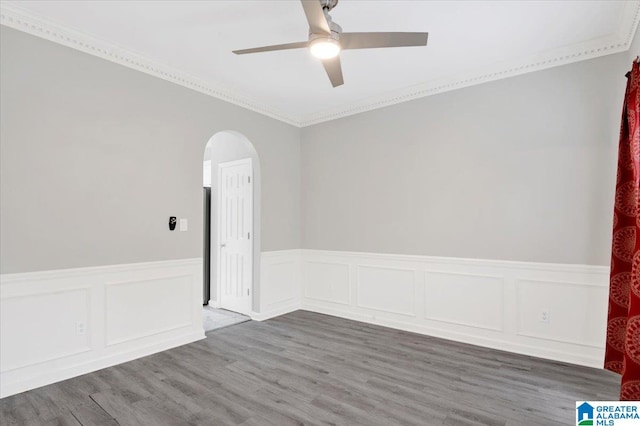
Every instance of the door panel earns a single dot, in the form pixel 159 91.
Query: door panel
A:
pixel 235 258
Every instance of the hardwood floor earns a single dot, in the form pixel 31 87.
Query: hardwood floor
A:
pixel 307 368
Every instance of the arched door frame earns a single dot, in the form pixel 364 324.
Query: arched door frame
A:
pixel 224 146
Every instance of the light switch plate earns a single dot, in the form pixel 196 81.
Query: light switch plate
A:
pixel 184 225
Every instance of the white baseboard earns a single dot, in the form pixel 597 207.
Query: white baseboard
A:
pixel 491 303
pixel 60 324
pixel 496 304
pixel 73 370
pixel 539 352
pixel 285 309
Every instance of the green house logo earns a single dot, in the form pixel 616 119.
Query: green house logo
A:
pixel 585 414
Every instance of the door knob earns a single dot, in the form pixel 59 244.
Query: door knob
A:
pixel 223 245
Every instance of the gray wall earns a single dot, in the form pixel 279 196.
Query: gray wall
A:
pixel 95 157
pixel 518 169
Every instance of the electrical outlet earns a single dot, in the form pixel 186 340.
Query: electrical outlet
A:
pixel 545 316
pixel 81 328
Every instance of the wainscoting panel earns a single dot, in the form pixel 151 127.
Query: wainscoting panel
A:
pixel 465 299
pixel 60 324
pixel 168 305
pixel 577 313
pixel 280 289
pixel 550 311
pixel 386 289
pixel 52 333
pixel 328 282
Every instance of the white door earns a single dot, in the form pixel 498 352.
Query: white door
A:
pixel 235 235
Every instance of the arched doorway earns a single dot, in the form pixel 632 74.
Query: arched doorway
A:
pixel 231 168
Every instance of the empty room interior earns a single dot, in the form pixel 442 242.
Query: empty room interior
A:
pixel 319 212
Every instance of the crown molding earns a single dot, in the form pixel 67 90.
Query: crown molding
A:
pixel 17 18
pixel 616 43
pixel 629 22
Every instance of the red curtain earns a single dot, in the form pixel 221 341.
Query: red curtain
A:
pixel 623 327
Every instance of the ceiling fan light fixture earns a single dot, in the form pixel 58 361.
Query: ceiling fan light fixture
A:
pixel 326 39
pixel 325 48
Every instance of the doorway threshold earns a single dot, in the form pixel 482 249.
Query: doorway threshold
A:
pixel 215 318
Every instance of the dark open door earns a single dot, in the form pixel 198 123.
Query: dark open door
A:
pixel 206 261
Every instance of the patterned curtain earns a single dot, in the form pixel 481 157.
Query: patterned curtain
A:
pixel 623 327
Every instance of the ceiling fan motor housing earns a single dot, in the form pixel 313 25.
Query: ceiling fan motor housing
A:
pixel 336 30
pixel 328 4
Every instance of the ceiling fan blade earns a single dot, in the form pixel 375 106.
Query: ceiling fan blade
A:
pixel 334 71
pixel 315 16
pixel 376 40
pixel 287 46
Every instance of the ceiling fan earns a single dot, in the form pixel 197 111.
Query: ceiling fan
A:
pixel 326 39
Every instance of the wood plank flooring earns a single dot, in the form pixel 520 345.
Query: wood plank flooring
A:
pixel 312 369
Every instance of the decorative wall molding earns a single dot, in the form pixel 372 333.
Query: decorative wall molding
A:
pixel 323 281
pixel 59 324
pixel 280 289
pixel 488 74
pixel 560 298
pixel 492 303
pixel 124 296
pixel 19 19
pixel 441 287
pixel 95 317
pixel 617 43
pixel 386 289
pixel 14 313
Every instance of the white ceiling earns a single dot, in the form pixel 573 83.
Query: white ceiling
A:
pixel 470 42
